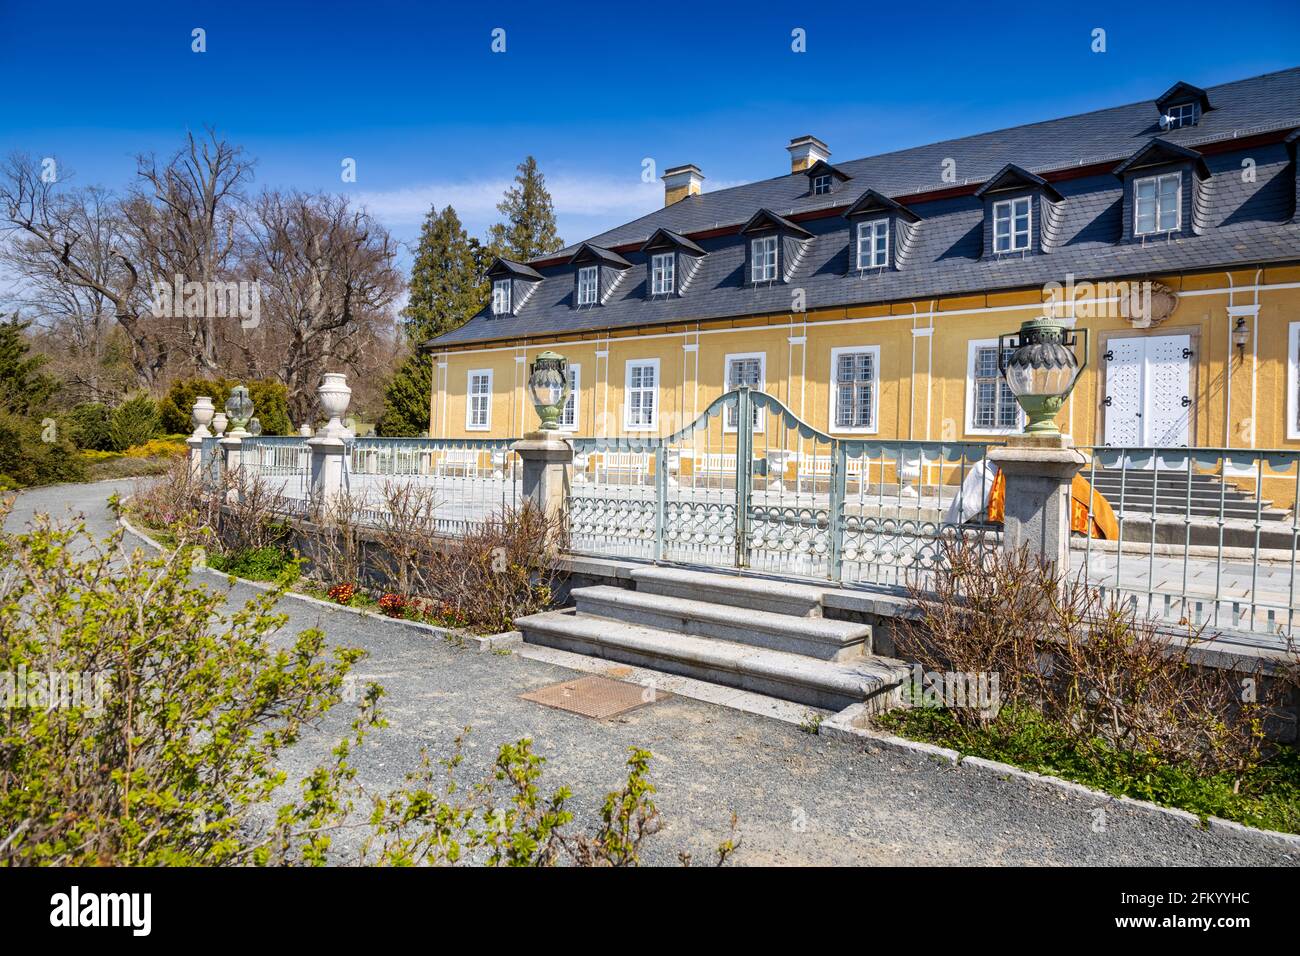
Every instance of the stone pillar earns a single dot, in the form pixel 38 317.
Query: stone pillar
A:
pixel 330 444
pixel 1038 470
pixel 547 462
pixel 326 472
pixel 230 450
pixel 201 414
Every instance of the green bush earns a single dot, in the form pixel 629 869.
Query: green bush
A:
pixel 134 422
pixel 27 458
pixel 89 426
pixel 268 563
pixel 270 403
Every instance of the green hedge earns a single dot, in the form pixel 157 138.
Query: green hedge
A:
pixel 270 403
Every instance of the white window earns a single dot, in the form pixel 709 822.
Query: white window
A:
pixel 662 273
pixel 587 285
pixel 1184 114
pixel 1293 382
pixel 478 400
pixel 501 297
pixel 991 407
pixel 1011 230
pixel 747 369
pixel 569 414
pixel 763 255
pixel 855 375
pixel 873 244
pixel 1157 204
pixel 821 184
pixel 642 411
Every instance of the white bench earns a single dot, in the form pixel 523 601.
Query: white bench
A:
pixel 634 466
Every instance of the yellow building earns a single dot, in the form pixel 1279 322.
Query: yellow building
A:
pixel 871 305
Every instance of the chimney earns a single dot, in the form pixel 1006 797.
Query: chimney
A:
pixel 805 151
pixel 680 182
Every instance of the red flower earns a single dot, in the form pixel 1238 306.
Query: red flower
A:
pixel 342 593
pixel 394 605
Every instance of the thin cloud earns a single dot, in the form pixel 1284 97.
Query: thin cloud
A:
pixel 475 201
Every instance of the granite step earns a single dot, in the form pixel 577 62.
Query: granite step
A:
pixel 817 637
pixel 778 597
pixel 833 685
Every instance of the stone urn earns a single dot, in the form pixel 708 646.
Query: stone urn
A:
pixel 334 396
pixel 219 423
pixel 201 416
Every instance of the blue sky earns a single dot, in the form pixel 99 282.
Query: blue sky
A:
pixel 414 94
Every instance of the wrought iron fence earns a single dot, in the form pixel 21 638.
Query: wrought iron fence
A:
pixel 750 485
pixel 1206 536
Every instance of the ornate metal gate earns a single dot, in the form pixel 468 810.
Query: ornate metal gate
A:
pixel 749 485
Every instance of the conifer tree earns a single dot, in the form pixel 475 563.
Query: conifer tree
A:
pixel 446 288
pixel 529 228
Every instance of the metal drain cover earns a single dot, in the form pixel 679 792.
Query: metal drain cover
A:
pixel 593 696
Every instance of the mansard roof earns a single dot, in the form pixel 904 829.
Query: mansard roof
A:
pixel 1248 223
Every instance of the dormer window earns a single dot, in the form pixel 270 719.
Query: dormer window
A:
pixel 881 231
pixel 597 273
pixel 762 255
pixel 671 262
pixel 588 285
pixel 1157 204
pixel 1021 213
pixel 501 297
pixel 1163 185
pixel 822 177
pixel 873 244
pixel 662 273
pixel 1012 227
pixel 1182 105
pixel 513 283
pixel 775 247
pixel 1184 114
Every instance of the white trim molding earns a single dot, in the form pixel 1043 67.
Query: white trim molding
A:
pixel 575 396
pixel 759 417
pixel 973 346
pixel 874 427
pixel 473 373
pixel 655 391
pixel 1293 381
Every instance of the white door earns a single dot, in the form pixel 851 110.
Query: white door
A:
pixel 1148 399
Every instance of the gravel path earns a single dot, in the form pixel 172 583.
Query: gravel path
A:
pixel 799 798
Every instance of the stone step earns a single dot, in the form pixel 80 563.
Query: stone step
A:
pixel 818 637
pixel 1209 492
pixel 833 685
pixel 778 597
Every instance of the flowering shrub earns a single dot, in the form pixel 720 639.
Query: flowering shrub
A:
pixel 342 593
pixel 393 605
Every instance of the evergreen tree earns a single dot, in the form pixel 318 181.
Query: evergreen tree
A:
pixel 446 288
pixel 24 388
pixel 529 229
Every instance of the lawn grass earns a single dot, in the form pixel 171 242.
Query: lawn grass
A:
pixel 1267 797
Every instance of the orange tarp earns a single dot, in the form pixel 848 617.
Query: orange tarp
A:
pixel 1103 523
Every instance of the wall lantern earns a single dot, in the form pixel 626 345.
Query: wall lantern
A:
pixel 548 381
pixel 1041 369
pixel 239 408
pixel 1240 336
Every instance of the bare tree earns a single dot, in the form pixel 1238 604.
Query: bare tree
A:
pixel 327 284
pixel 182 219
